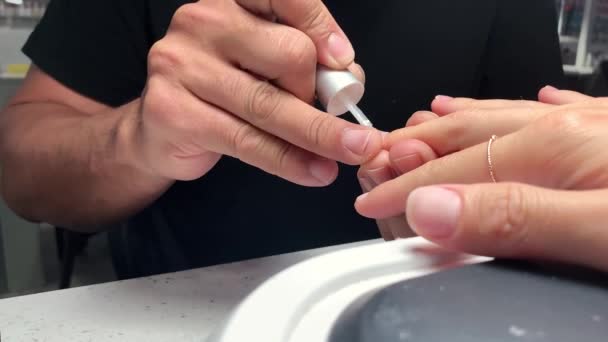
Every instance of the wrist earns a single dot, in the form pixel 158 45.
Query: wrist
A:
pixel 126 145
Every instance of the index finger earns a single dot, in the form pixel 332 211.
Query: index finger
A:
pixel 466 128
pixel 312 17
pixel 444 105
pixel 283 115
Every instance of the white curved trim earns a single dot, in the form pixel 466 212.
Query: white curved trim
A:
pixel 302 302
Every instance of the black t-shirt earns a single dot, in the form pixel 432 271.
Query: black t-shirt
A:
pixel 411 51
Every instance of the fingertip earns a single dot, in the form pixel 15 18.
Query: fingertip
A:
pixel 434 211
pixel 361 205
pixel 323 171
pixel 549 88
pixel 358 71
pixel 340 52
pixel 442 98
pixel 420 117
pixel 384 201
pixel 552 96
pixel 546 91
pixel 440 104
pixel 374 146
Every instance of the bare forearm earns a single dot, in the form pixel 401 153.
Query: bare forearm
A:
pixel 72 169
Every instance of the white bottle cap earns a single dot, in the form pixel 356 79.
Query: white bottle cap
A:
pixel 336 88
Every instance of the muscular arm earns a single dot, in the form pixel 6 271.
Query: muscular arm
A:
pixel 71 161
pixel 67 160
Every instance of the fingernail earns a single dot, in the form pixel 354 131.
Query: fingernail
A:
pixel 340 49
pixel 408 163
pixel 356 141
pixel 434 211
pixel 381 175
pixel 366 184
pixel 551 88
pixel 443 98
pixel 323 170
pixel 361 198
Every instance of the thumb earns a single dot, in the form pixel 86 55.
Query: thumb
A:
pixel 357 71
pixel 314 19
pixel 510 220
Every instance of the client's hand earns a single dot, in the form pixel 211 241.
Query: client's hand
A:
pixel 551 199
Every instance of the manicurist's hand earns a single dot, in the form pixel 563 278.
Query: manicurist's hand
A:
pixel 237 78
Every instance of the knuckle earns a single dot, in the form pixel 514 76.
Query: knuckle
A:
pixel 262 102
pixel 157 99
pixel 466 103
pixel 320 126
pixel 193 15
pixel 567 133
pixel 163 58
pixel 185 16
pixel 456 127
pixel 232 85
pixel 281 160
pixel 316 19
pixel 503 216
pixel 246 140
pixel 565 122
pixel 563 130
pixel 474 112
pixel 298 49
pixel 161 109
pixel 250 143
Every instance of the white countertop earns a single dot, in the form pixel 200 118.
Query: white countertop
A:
pixel 183 306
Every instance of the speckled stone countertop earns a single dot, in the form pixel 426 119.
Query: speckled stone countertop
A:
pixel 183 306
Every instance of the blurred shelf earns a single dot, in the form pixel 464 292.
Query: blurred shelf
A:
pixel 21 16
pixel 574 70
pixel 7 76
pixel 568 40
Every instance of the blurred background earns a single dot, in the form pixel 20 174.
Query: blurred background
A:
pixel 35 258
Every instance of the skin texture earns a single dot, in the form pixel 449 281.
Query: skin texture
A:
pixel 229 78
pixel 550 161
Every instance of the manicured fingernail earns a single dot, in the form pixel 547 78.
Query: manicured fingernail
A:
pixel 356 141
pixel 340 49
pixel 443 98
pixel 323 170
pixel 551 88
pixel 434 211
pixel 408 163
pixel 381 175
pixel 366 184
